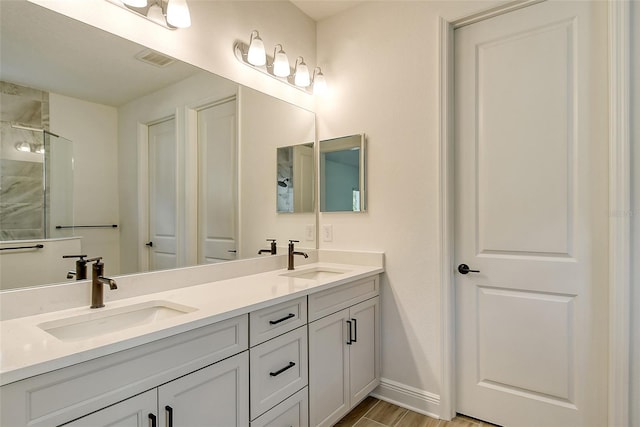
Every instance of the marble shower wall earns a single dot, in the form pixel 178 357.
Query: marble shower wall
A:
pixel 21 173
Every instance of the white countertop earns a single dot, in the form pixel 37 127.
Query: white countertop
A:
pixel 27 350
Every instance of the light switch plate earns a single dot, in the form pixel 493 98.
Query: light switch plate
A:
pixel 309 233
pixel 327 233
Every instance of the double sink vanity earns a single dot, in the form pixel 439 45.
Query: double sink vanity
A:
pixel 273 347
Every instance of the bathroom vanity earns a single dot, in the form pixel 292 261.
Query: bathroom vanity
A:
pixel 280 347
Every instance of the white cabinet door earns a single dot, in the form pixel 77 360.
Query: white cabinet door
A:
pixel 138 411
pixel 329 369
pixel 216 396
pixel 344 361
pixel 364 352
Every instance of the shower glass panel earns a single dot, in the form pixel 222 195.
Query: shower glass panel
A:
pixel 58 178
pixel 36 183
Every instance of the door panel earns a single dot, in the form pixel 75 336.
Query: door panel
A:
pixel 217 183
pixel 215 396
pixel 530 215
pixel 136 411
pixel 329 357
pixel 163 210
pixel 363 357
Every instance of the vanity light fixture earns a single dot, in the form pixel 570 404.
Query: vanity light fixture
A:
pixel 281 67
pixel 277 66
pixel 301 73
pixel 23 147
pixel 256 54
pixel 170 14
pixel 26 147
pixel 319 82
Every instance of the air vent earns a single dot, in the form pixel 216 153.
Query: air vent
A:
pixel 154 58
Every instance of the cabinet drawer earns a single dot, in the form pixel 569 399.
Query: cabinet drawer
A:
pixel 335 299
pixel 65 394
pixel 292 412
pixel 278 368
pixel 276 320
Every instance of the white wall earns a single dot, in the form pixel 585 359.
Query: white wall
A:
pixel 383 61
pixel 19 269
pixel 635 214
pixel 265 124
pixel 93 130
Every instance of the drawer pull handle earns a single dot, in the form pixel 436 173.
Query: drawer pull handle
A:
pixel 288 316
pixel 152 420
pixel 350 339
pixel 169 410
pixel 278 372
pixel 355 330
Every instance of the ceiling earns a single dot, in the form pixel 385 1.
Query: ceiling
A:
pixel 79 62
pixel 321 9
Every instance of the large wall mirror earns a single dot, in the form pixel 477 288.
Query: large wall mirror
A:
pixel 180 160
pixel 342 174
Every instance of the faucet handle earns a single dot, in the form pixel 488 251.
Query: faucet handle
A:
pixel 294 241
pixel 98 258
pixel 75 256
pixel 271 240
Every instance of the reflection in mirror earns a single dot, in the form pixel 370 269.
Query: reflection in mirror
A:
pixel 342 174
pixel 114 106
pixel 295 178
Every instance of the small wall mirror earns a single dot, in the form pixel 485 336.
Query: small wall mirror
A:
pixel 295 181
pixel 342 174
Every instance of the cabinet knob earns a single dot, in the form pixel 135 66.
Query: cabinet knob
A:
pixel 152 420
pixel 169 410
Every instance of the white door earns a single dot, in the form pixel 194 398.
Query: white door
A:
pixel 217 183
pixel 163 208
pixel 531 216
pixel 138 411
pixel 215 396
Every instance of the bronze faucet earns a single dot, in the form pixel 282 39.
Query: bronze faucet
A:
pixel 97 283
pixel 80 272
pixel 292 253
pixel 273 249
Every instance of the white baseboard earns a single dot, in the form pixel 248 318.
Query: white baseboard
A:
pixel 408 397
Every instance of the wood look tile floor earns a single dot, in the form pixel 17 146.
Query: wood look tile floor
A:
pixel 378 413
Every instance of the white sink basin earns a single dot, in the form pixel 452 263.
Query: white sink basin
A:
pixel 315 273
pixel 112 320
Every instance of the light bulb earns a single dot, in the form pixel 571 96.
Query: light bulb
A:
pixel 319 82
pixel 256 55
pixel 23 146
pixel 301 77
pixel 135 3
pixel 178 13
pixel 281 63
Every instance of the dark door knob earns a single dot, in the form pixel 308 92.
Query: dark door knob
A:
pixel 150 244
pixel 464 269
